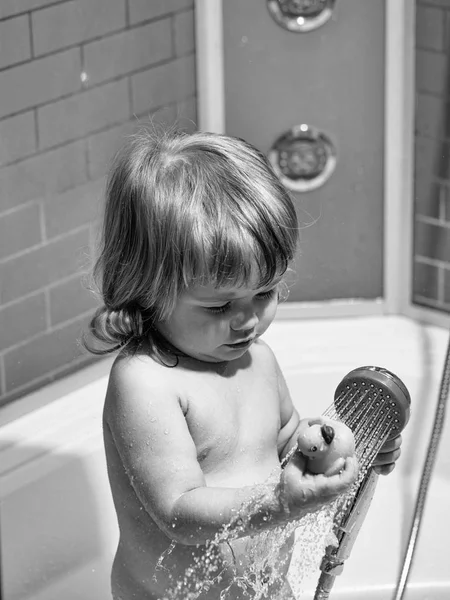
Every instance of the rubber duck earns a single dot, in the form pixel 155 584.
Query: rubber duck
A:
pixel 325 443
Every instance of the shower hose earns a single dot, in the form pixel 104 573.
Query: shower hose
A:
pixel 430 460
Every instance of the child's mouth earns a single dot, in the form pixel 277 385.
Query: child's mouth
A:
pixel 239 345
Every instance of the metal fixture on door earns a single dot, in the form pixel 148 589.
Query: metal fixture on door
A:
pixel 303 158
pixel 301 16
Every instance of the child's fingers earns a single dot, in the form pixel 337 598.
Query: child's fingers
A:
pixel 386 458
pixel 349 473
pixel 391 445
pixel 334 485
pixel 384 469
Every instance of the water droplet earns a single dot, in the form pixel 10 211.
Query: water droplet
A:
pixel 166 431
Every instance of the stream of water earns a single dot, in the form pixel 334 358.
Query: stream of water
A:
pixel 297 547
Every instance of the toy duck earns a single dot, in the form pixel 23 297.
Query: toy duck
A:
pixel 325 443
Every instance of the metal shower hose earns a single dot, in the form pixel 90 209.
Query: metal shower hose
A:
pixel 430 459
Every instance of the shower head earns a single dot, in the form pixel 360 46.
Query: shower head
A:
pixel 375 404
pixel 370 398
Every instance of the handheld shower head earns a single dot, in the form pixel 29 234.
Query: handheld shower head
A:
pixel 375 404
pixel 369 394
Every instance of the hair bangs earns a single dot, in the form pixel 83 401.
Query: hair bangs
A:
pixel 223 253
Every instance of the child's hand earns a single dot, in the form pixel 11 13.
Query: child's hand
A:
pixel 384 462
pixel 302 491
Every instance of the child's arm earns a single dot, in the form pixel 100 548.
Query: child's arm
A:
pixel 289 417
pixel 150 431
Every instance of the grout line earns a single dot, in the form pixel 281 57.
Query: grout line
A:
pixel 89 40
pixel 57 327
pixel 45 243
pixel 2 377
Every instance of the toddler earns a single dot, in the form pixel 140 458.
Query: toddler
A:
pixel 198 234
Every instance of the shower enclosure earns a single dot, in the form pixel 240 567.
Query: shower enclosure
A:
pixel 370 211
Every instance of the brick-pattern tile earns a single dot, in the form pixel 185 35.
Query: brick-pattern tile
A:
pixel 425 280
pixel 164 84
pixel 429 195
pixel 446 287
pixel 431 251
pixel 72 209
pixel 432 157
pixel 39 81
pixel 187 114
pixel 34 270
pixel 143 10
pixel 14 7
pixel 432 241
pixel 432 117
pixel 76 76
pixel 431 72
pixel 15 43
pixel 74 22
pixel 102 146
pixel 128 51
pixel 164 117
pixel 430 28
pixel 22 320
pixel 442 3
pixel 184 29
pixel 20 229
pixel 51 350
pixel 70 298
pixel 43 174
pixel 17 137
pixel 83 113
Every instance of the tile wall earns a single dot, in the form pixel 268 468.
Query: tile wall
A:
pixel 431 269
pixel 75 77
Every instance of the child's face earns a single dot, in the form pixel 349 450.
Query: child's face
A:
pixel 220 324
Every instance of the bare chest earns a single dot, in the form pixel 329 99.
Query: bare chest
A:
pixel 234 422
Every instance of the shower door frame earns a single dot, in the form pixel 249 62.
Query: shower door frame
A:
pixel 398 155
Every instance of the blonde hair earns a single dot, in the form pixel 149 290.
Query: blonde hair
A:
pixel 184 209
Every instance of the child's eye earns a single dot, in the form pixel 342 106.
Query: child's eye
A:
pixel 268 294
pixel 216 310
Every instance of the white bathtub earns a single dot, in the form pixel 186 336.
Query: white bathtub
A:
pixel 58 525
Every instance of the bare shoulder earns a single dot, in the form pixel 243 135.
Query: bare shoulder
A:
pixel 264 356
pixel 270 364
pixel 263 349
pixel 136 382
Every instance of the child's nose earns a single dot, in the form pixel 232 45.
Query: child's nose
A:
pixel 244 320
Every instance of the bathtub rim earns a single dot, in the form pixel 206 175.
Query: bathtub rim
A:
pixel 294 311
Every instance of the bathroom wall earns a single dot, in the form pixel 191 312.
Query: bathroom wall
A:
pixel 431 269
pixel 276 79
pixel 75 77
